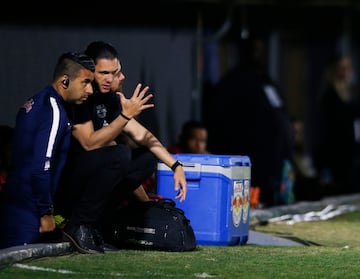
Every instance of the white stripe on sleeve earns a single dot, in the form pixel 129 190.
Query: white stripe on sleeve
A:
pixel 53 131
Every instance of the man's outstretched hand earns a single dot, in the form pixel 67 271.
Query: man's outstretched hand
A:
pixel 137 103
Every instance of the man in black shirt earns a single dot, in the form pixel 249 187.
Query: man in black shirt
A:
pixel 101 172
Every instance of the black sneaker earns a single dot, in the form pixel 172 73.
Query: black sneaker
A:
pixel 99 241
pixel 82 238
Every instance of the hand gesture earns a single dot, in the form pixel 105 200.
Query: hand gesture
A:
pixel 137 103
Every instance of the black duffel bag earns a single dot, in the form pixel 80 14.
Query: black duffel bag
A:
pixel 152 225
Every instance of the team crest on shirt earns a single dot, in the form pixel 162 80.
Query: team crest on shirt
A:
pixel 101 111
pixel 28 105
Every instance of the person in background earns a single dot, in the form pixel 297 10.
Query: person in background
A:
pixel 96 159
pixel 306 182
pixel 337 157
pixel 40 144
pixel 247 115
pixel 192 139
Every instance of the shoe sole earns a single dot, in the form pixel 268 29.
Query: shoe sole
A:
pixel 78 247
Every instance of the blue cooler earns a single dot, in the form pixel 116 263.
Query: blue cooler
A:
pixel 218 198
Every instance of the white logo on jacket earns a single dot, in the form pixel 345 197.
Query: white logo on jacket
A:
pixel 28 105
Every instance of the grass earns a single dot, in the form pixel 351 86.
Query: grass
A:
pixel 340 231
pixel 336 255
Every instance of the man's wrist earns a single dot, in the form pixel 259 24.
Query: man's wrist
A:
pixel 176 164
pixel 124 116
pixel 49 211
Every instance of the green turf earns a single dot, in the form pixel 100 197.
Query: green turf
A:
pixel 336 255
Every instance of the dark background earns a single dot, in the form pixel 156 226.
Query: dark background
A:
pixel 304 35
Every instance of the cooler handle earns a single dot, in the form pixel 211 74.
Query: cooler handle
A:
pixel 192 171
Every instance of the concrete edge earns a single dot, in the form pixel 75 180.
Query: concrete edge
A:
pixel 16 254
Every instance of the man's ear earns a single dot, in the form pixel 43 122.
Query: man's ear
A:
pixel 66 82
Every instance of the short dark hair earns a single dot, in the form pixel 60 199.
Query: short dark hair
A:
pixel 70 64
pixel 188 127
pixel 100 49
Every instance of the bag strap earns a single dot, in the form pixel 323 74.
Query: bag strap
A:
pixel 170 205
pixel 166 202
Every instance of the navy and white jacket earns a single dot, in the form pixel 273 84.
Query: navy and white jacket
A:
pixel 41 142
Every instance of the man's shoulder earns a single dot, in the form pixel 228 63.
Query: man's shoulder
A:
pixel 40 100
pixel 45 92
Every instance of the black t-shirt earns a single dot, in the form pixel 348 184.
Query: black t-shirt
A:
pixel 101 108
pixel 104 108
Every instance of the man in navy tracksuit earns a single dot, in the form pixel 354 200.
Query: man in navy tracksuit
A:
pixel 41 141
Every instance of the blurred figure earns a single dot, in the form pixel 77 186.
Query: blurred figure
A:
pixel 192 139
pixel 339 130
pixel 247 116
pixel 306 183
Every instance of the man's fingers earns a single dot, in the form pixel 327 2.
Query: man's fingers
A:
pixel 147 98
pixel 142 92
pixel 147 106
pixel 137 90
pixel 138 93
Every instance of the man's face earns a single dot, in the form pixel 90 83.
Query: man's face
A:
pixel 80 88
pixel 105 71
pixel 197 142
pixel 119 77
